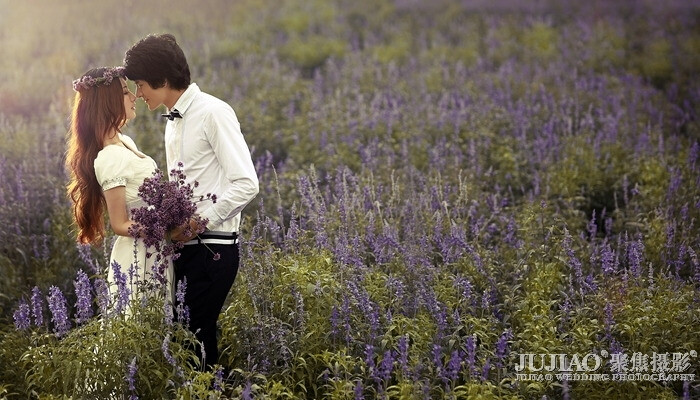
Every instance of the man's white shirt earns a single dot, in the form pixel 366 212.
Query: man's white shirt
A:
pixel 208 141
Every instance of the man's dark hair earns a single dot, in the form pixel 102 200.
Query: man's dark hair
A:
pixel 157 59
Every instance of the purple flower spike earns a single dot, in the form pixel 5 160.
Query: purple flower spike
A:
pixel 123 291
pixel 59 311
pixel 219 379
pixel 37 306
pixel 386 366
pixel 131 379
pixel 102 294
pixel 83 291
pixel 183 312
pixel 21 316
pixel 166 350
pixel 247 391
pixel 502 347
pixel 453 366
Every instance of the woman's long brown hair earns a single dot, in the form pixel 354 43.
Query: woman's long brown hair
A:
pixel 97 111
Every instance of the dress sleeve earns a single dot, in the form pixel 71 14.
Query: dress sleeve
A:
pixel 112 168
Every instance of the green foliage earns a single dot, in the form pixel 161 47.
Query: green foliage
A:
pixel 655 62
pixel 397 50
pixel 637 309
pixel 11 351
pixel 607 47
pixel 93 359
pixel 541 41
pixel 311 52
pixel 591 178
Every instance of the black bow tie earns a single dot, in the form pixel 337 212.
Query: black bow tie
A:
pixel 172 115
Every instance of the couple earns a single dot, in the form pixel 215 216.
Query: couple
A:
pixel 201 132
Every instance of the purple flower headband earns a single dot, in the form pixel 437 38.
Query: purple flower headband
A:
pixel 86 82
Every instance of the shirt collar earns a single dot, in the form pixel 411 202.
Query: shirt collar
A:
pixel 183 103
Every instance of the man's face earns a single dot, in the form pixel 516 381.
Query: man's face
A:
pixel 153 97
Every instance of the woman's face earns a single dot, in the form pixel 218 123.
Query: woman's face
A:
pixel 129 100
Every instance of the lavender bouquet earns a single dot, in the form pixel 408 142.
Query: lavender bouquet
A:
pixel 169 204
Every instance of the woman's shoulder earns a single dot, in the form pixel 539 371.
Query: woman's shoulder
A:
pixel 110 152
pixel 128 141
pixel 113 157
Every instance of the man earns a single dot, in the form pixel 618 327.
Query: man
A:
pixel 203 133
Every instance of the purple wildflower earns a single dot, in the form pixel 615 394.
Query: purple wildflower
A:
pixel 676 179
pixel 85 255
pixel 616 347
pixel 202 350
pixel 403 354
pixel 183 311
pixel 293 230
pixel 386 366
pixel 453 366
pixel 511 237
pixel 437 361
pixel 219 379
pixel 123 290
pixel 131 378
pixel 609 320
pixel 247 393
pixel 471 354
pixel 486 370
pixel 465 288
pixel 180 291
pixel 37 301
pixel 369 360
pixel 574 263
pixel 59 311
pixel 486 300
pixel 102 295
pixel 346 319
pixel 592 227
pixel 367 306
pixel 165 347
pixel 502 347
pixel 83 292
pixel 168 313
pixel 335 323
pixel 607 259
pixel 696 264
pixel 635 249
pixel 40 244
pixel 21 316
pixel 608 226
pixel 359 391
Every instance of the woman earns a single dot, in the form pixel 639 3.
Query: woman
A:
pixel 106 171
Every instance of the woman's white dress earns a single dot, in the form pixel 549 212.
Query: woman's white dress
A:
pixel 126 166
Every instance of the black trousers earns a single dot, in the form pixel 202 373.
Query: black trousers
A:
pixel 208 283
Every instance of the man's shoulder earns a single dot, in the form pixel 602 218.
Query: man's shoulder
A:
pixel 210 101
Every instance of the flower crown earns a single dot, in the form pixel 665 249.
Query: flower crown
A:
pixel 86 82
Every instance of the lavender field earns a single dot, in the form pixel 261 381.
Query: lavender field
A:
pixel 452 195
